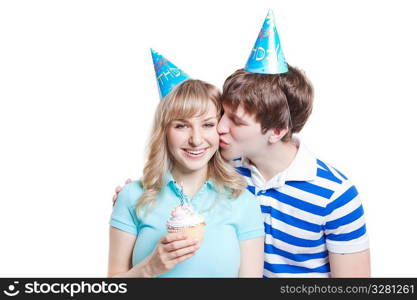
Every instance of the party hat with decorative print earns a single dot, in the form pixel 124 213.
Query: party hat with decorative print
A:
pixel 167 74
pixel 267 56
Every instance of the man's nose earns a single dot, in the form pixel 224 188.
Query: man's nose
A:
pixel 223 126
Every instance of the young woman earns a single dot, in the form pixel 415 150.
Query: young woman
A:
pixel 184 165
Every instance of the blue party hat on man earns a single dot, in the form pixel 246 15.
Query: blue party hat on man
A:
pixel 167 74
pixel 267 56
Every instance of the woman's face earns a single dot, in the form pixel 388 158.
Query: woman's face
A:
pixel 192 142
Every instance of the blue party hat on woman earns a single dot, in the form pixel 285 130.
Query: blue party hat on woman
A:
pixel 167 74
pixel 267 56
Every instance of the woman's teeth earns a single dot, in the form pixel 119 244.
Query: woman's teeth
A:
pixel 195 152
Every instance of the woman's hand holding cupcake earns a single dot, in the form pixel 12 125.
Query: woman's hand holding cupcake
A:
pixel 172 249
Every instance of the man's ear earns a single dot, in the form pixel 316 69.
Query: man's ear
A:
pixel 277 135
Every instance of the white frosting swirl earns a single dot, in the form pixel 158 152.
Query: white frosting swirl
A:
pixel 184 216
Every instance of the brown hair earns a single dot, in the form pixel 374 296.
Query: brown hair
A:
pixel 276 100
pixel 189 99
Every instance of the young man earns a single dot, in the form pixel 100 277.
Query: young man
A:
pixel 314 220
pixel 313 217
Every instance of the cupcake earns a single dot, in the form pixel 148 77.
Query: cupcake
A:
pixel 185 219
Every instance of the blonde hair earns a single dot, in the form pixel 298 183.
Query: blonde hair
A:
pixel 189 99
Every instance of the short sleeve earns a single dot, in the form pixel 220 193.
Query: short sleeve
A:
pixel 344 223
pixel 124 215
pixel 250 220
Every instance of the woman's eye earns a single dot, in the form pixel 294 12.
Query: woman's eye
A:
pixel 209 125
pixel 179 126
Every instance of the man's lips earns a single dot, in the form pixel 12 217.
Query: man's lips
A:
pixel 223 143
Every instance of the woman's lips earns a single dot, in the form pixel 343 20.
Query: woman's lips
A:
pixel 195 153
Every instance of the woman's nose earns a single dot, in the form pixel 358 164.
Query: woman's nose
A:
pixel 195 138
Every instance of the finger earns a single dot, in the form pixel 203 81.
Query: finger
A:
pixel 128 181
pixel 180 244
pixel 118 189
pixel 182 258
pixel 170 237
pixel 181 252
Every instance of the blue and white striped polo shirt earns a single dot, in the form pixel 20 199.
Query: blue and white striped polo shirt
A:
pixel 309 209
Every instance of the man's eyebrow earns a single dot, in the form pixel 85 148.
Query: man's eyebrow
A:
pixel 235 116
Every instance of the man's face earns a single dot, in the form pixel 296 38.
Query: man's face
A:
pixel 240 135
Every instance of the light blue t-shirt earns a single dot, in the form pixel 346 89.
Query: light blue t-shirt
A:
pixel 228 221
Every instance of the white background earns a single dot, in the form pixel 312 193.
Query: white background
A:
pixel 78 92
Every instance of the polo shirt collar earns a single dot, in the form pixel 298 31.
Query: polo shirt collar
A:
pixel 304 165
pixel 174 186
pixel 302 168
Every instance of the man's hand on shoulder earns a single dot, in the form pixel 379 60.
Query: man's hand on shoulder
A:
pixel 118 189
